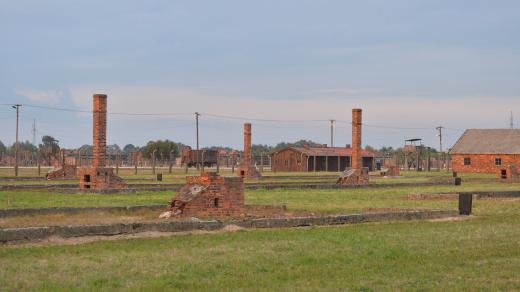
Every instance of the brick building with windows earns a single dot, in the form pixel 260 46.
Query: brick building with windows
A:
pixel 486 150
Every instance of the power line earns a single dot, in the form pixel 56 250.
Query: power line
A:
pixel 230 117
pixel 110 113
pixel 258 119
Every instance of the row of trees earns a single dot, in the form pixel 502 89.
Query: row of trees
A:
pixel 50 146
pixel 165 149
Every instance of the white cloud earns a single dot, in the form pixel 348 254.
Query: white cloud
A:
pixel 388 110
pixel 45 96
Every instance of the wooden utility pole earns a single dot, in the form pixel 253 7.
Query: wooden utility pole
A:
pixel 153 161
pixel 118 157
pixel 233 163
pixel 135 162
pixel 17 146
pixel 38 162
pixel 171 161
pixel 261 162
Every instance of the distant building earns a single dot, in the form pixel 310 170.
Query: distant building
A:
pixel 309 159
pixel 486 150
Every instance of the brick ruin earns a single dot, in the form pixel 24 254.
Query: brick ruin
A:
pixel 208 195
pixel 357 175
pixel 99 176
pixel 508 174
pixel 63 170
pixel 391 169
pixel 246 169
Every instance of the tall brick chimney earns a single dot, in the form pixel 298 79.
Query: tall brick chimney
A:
pixel 247 147
pixel 357 159
pixel 100 130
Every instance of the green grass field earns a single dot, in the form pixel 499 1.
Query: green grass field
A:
pixel 343 200
pixel 479 254
pixel 482 253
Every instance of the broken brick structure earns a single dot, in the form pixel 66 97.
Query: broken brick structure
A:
pixel 390 171
pixel 99 176
pixel 63 170
pixel 357 175
pixel 486 150
pixel 246 169
pixel 209 195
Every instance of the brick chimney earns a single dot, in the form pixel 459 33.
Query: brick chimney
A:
pixel 247 147
pixel 100 130
pixel 357 159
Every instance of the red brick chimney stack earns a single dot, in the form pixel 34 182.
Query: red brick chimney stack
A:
pixel 357 160
pixel 100 130
pixel 247 147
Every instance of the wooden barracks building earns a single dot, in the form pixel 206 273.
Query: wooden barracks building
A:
pixel 309 159
pixel 486 150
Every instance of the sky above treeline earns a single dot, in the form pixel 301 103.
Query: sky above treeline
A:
pixel 288 67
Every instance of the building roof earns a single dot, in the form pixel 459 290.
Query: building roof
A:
pixel 327 151
pixel 488 141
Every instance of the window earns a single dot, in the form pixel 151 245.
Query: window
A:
pixel 215 203
pixel 467 161
pixel 498 161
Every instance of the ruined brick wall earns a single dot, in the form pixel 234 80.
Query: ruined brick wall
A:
pixel 353 177
pixel 65 172
pixel 483 163
pixel 390 171
pixel 99 178
pixel 223 196
pixel 100 130
pixel 357 160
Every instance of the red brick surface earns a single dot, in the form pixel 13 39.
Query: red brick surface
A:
pixel 508 174
pixel 354 177
pixel 246 169
pixel 357 160
pixel 100 130
pixel 483 163
pixel 66 171
pixel 391 170
pixel 99 177
pixel 227 191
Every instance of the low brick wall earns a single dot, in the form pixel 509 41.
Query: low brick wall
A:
pixel 4 213
pixel 454 196
pixel 37 233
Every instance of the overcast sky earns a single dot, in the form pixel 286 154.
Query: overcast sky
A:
pixel 409 64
